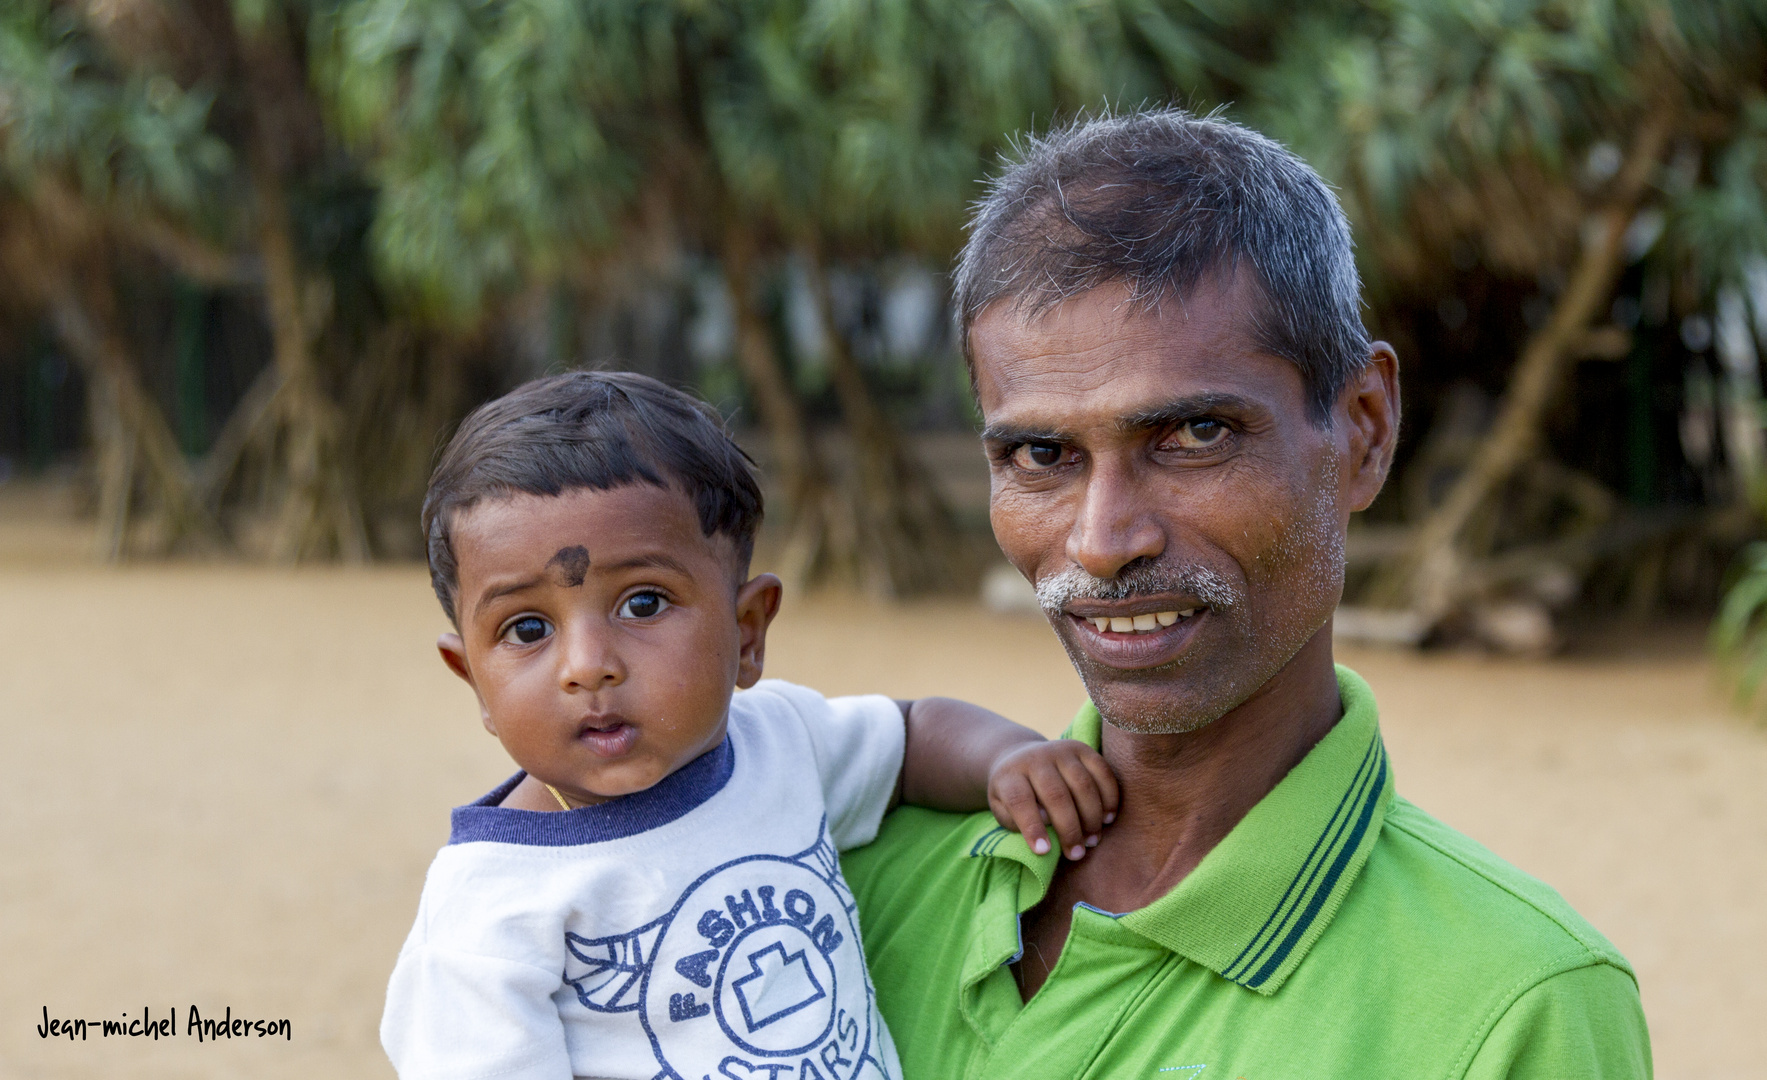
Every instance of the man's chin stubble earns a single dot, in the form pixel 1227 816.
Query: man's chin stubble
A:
pixel 1170 717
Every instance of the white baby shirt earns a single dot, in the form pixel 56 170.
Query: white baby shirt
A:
pixel 698 930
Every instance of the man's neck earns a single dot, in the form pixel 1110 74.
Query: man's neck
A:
pixel 1184 793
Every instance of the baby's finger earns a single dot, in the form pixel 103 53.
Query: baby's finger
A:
pixel 1064 818
pixel 1014 804
pixel 1088 801
pixel 1106 778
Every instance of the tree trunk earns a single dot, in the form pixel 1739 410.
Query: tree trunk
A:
pixel 113 459
pixel 1425 578
pixel 405 390
pixel 319 516
pixel 132 441
pixel 60 255
pixel 811 529
pixel 251 423
pixel 908 541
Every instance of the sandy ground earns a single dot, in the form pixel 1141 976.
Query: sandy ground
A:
pixel 220 787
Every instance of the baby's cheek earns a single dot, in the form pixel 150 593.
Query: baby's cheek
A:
pixel 690 721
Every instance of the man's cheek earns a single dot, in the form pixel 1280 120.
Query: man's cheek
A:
pixel 1245 530
pixel 1277 552
pixel 1281 529
pixel 1301 571
pixel 1028 528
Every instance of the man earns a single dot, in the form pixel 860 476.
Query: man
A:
pixel 1182 410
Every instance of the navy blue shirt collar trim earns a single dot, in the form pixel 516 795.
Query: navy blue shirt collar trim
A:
pixel 670 798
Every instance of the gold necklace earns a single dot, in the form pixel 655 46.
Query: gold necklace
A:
pixel 562 805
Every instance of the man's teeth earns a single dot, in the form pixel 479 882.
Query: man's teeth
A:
pixel 1139 624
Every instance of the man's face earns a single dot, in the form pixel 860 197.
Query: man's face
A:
pixel 1157 476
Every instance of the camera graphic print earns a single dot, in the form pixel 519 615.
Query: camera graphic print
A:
pixel 755 973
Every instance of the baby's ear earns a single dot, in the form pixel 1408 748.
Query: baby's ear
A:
pixel 757 602
pixel 453 651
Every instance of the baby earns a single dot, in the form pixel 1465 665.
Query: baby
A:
pixel 657 892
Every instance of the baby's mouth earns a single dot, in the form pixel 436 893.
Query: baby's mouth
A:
pixel 610 738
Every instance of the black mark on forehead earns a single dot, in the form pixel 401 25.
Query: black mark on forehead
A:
pixel 572 563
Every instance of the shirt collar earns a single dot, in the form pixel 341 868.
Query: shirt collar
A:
pixel 672 797
pixel 1257 902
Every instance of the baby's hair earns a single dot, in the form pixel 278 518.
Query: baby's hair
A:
pixel 590 429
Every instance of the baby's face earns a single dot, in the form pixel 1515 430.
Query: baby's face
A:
pixel 603 633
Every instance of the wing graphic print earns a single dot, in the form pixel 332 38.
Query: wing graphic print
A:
pixel 606 971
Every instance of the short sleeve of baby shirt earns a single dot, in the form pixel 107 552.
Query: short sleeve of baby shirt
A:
pixel 857 743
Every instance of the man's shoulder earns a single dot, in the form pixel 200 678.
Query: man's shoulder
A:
pixel 913 841
pixel 1437 893
pixel 1490 962
pixel 920 857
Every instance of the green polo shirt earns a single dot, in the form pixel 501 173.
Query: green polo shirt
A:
pixel 1337 931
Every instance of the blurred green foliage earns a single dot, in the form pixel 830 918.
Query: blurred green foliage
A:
pixel 512 138
pixel 446 162
pixel 128 136
pixel 1739 632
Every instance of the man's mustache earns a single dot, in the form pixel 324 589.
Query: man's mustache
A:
pixel 1056 591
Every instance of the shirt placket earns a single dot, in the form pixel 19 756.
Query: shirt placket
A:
pixel 1103 971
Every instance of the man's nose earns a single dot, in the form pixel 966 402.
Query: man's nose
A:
pixel 1116 523
pixel 588 659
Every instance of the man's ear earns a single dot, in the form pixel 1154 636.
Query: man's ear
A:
pixel 453 652
pixel 1369 412
pixel 756 604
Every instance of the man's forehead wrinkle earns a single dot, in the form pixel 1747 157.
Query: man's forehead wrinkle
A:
pixel 1069 373
pixel 1034 306
pixel 1106 355
pixel 1139 297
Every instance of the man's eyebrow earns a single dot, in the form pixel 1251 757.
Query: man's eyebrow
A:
pixel 1165 414
pixel 1017 433
pixel 504 590
pixel 1188 407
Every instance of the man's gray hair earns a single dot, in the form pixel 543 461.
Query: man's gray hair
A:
pixel 1160 200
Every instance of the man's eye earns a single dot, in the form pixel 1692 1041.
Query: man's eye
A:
pixel 643 605
pixel 527 630
pixel 1198 434
pixel 1035 456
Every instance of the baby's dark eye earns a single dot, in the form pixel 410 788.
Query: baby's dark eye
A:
pixel 527 630
pixel 643 605
pixel 1035 456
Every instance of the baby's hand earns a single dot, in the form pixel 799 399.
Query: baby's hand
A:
pixel 1063 784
